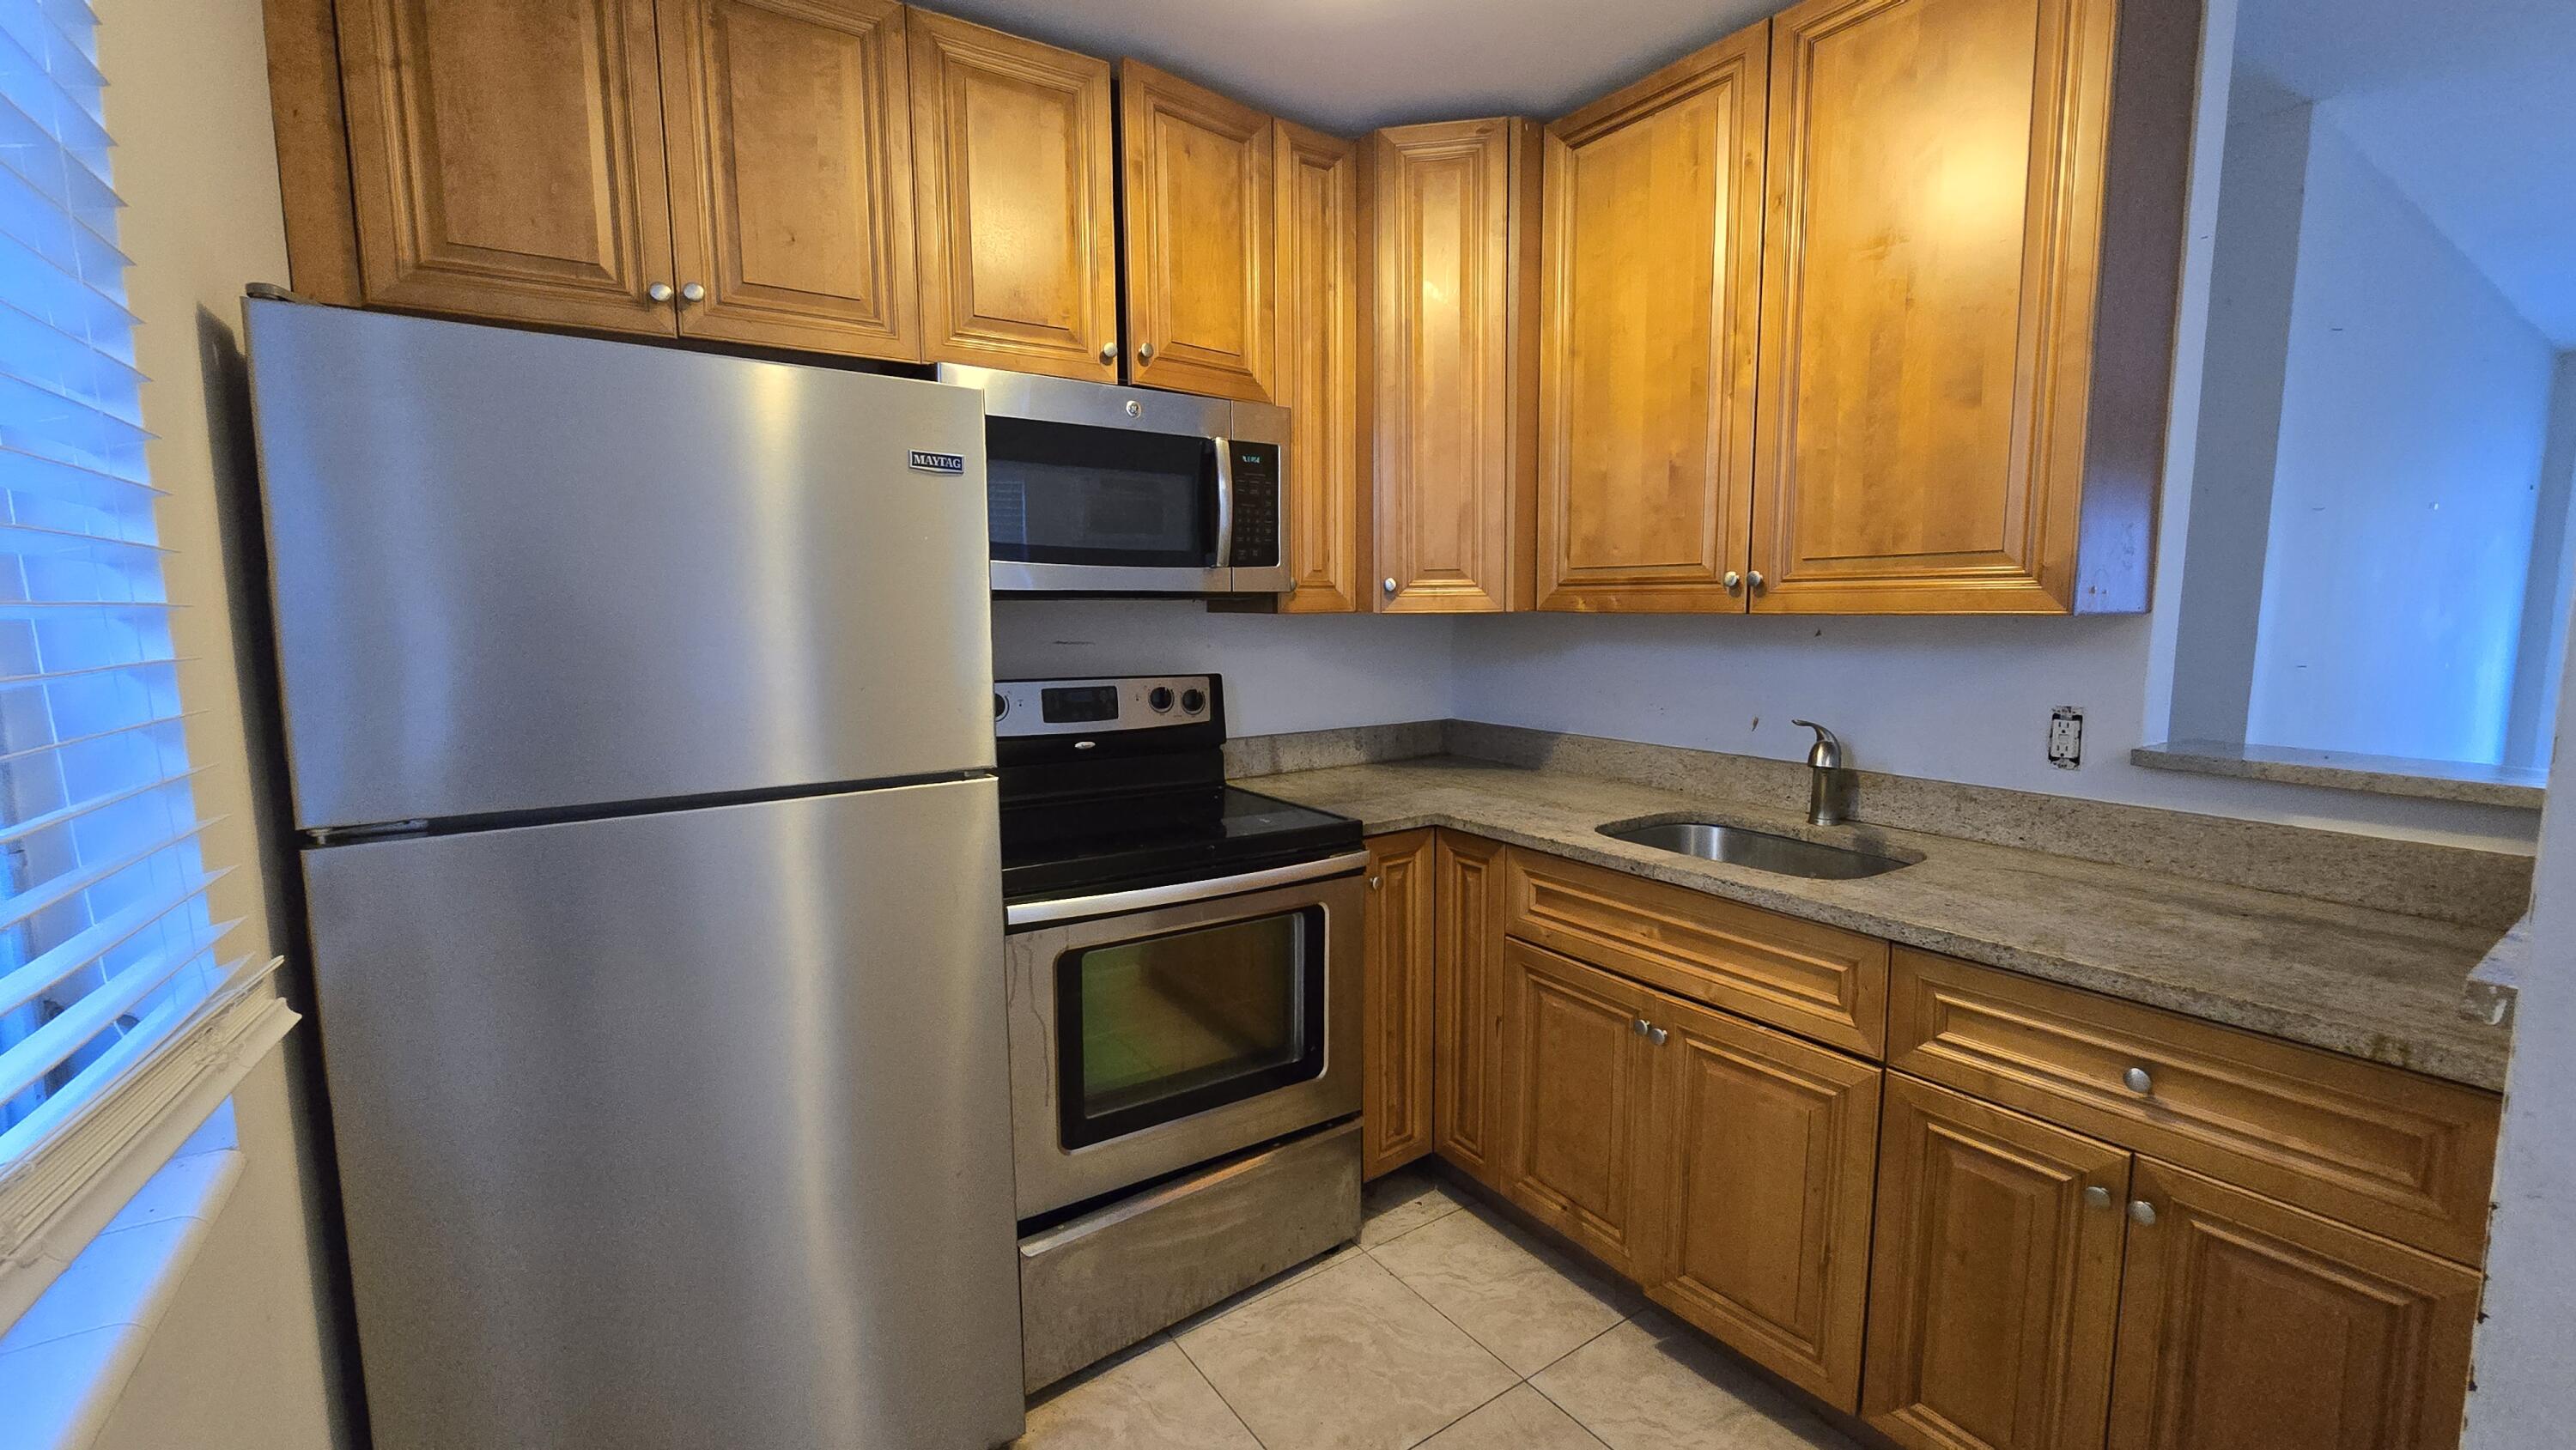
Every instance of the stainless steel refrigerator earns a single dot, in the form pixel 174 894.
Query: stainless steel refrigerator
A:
pixel 637 709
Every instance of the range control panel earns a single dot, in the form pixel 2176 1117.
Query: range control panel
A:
pixel 1023 708
pixel 1256 505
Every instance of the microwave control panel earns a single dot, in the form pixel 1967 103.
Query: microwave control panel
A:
pixel 1256 505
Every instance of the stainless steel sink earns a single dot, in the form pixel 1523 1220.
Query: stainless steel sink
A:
pixel 1781 855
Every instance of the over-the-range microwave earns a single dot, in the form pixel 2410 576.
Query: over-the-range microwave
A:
pixel 1097 489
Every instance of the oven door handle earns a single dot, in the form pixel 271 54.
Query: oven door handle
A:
pixel 1224 501
pixel 1179 893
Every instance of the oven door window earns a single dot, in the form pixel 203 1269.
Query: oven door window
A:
pixel 1063 493
pixel 1156 1030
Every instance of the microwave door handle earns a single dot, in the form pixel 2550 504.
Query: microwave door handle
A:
pixel 1224 501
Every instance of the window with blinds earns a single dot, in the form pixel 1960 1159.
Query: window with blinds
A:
pixel 108 953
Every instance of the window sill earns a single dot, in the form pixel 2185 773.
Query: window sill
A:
pixel 64 1362
pixel 2518 787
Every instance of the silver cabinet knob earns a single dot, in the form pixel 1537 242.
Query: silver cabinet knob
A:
pixel 1388 584
pixel 659 291
pixel 1657 1035
pixel 2142 1213
pixel 1373 883
pixel 2097 1197
pixel 1732 580
pixel 2138 1080
pixel 692 292
pixel 1109 352
pixel 1754 579
pixel 1640 1026
pixel 1144 352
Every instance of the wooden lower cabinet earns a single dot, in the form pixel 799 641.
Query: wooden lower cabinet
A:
pixel 2250 1325
pixel 1575 1069
pixel 1467 1004
pixel 1762 1154
pixel 1395 995
pixel 1994 1279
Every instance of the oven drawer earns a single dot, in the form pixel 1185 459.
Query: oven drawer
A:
pixel 1091 1287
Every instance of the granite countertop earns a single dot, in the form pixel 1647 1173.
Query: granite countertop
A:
pixel 2370 984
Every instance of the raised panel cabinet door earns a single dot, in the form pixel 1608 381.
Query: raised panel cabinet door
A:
pixel 1765 1150
pixel 1395 994
pixel 1929 272
pixel 506 159
pixel 790 130
pixel 1994 1277
pixel 1649 326
pixel 2250 1325
pixel 1015 185
pixel 1202 292
pixel 1456 376
pixel 1322 374
pixel 1467 1004
pixel 1576 1075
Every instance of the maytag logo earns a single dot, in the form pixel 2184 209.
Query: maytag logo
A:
pixel 938 462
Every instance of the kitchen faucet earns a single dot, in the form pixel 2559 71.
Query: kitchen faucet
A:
pixel 1824 760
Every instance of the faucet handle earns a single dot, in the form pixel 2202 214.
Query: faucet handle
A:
pixel 1827 752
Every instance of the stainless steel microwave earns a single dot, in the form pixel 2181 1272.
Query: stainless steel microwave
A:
pixel 1092 488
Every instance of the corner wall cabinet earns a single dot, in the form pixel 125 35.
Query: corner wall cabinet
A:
pixel 1982 1211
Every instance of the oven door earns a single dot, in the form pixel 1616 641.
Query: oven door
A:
pixel 1192 1021
pixel 1091 488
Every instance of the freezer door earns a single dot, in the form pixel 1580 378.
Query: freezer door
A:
pixel 522 572
pixel 679 1130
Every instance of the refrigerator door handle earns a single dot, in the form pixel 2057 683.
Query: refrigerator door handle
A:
pixel 1146 898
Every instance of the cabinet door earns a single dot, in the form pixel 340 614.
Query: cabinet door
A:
pixel 1575 1071
pixel 1015 182
pixel 1456 376
pixel 790 129
pixel 1935 179
pixel 1395 995
pixel 506 159
pixel 1995 1277
pixel 1199 206
pixel 1648 332
pixel 1763 1154
pixel 1467 1003
pixel 1322 374
pixel 2250 1325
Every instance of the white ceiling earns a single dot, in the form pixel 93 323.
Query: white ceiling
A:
pixel 1352 65
pixel 2469 106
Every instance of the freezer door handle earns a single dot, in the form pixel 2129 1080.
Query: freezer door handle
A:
pixel 1147 898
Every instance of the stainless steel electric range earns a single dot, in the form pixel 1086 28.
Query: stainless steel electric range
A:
pixel 1183 963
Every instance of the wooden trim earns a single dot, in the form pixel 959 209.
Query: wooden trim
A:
pixel 312 151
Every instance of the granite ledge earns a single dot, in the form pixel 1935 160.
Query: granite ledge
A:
pixel 2364 983
pixel 2517 787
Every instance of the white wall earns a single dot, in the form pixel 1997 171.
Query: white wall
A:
pixel 2413 414
pixel 2541 654
pixel 244 1358
pixel 1282 672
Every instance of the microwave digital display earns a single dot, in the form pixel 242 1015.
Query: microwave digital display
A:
pixel 1078 704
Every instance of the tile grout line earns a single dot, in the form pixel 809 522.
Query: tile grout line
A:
pixel 1195 1368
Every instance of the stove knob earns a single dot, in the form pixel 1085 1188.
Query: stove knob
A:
pixel 1001 707
pixel 1193 701
pixel 1160 698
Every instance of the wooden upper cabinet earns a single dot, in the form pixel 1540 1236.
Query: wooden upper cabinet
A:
pixel 1934 314
pixel 505 159
pixel 1016 192
pixel 1649 327
pixel 2249 1325
pixel 789 125
pixel 1456 420
pixel 1576 1071
pixel 1396 1004
pixel 1995 1277
pixel 1321 378
pixel 1762 1157
pixel 1202 292
pixel 1467 1004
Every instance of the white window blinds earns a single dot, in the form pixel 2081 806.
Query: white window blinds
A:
pixel 109 960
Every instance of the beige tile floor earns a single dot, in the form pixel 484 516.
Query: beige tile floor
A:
pixel 1444 1327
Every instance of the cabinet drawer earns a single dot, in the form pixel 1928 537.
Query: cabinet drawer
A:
pixel 1818 981
pixel 2375 1147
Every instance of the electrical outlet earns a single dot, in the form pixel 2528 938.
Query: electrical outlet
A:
pixel 2066 737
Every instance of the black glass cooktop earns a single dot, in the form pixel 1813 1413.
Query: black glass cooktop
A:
pixel 1114 842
